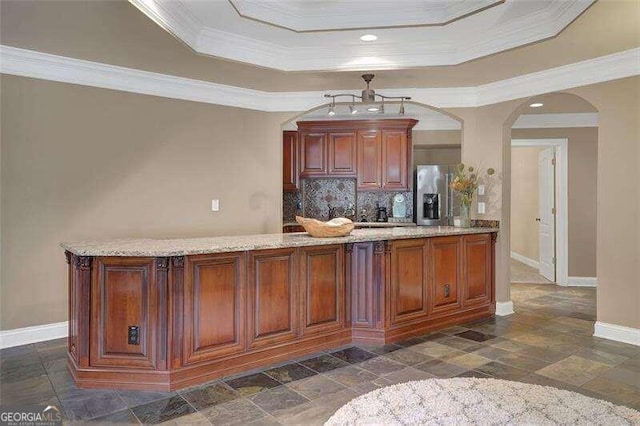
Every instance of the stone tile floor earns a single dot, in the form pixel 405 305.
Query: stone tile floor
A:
pixel 548 341
pixel 521 273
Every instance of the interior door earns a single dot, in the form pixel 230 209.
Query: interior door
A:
pixel 546 215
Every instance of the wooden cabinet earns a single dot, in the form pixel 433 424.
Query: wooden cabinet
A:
pixel 445 273
pixel 376 152
pixel 214 306
pixel 272 297
pixel 369 160
pixel 123 295
pixel 342 153
pixel 289 160
pixel 201 317
pixel 325 151
pixel 384 156
pixel 478 269
pixel 322 289
pixel 396 153
pixel 408 298
pixel 313 153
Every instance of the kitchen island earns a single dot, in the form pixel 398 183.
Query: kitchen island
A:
pixel 165 314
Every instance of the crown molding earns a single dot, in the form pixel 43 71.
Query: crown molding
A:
pixel 357 15
pixel 28 63
pixel 550 121
pixel 442 48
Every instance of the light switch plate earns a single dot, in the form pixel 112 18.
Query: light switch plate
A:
pixel 215 205
pixel 481 207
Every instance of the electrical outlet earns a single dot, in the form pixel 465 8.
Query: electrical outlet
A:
pixel 481 207
pixel 133 337
pixel 447 290
pixel 215 205
pixel 480 189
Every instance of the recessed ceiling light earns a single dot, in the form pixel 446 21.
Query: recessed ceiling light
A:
pixel 369 37
pixel 536 105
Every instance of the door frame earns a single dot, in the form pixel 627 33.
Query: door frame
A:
pixel 562 201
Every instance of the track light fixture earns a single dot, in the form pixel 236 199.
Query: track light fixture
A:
pixel 332 108
pixel 373 102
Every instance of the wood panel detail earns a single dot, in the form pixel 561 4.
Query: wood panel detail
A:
pixel 395 153
pixel 123 294
pixel 214 306
pixel 445 274
pixel 313 154
pixel 289 160
pixel 408 281
pixel 342 153
pixel 322 282
pixel 369 159
pixel 477 269
pixel 362 286
pixel 272 297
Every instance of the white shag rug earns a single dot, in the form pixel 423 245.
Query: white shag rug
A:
pixel 470 401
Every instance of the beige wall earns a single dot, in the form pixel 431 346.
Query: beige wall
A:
pixel 81 163
pixel 436 155
pixel 487 131
pixel 582 189
pixel 436 137
pixel 115 32
pixel 524 201
pixel 86 163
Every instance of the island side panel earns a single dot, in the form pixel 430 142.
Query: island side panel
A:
pixel 214 307
pixel 273 297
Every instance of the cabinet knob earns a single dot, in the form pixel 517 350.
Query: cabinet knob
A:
pixel 537 219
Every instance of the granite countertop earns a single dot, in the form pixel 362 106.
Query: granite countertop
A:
pixel 366 224
pixel 188 246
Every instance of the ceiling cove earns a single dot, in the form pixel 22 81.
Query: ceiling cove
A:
pixel 323 35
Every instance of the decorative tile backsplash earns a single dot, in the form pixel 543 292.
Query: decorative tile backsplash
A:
pixel 290 206
pixel 319 195
pixel 339 194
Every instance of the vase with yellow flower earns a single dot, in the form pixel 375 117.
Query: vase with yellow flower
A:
pixel 465 183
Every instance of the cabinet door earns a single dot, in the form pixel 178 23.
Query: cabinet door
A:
pixel 322 289
pixel 408 281
pixel 342 153
pixel 395 155
pixel 369 160
pixel 445 274
pixel 477 269
pixel 272 297
pixel 123 295
pixel 362 279
pixel 214 313
pixel 289 160
pixel 313 154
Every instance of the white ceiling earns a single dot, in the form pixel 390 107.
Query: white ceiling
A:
pixel 305 35
pixel 323 15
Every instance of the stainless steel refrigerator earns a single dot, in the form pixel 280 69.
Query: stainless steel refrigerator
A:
pixel 435 203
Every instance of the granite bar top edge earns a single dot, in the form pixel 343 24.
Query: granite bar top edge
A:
pixel 212 245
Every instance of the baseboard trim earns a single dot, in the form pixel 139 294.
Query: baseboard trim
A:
pixel 526 260
pixel 504 308
pixel 583 281
pixel 38 333
pixel 618 333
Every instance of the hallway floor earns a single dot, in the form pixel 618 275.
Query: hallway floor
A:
pixel 521 273
pixel 548 341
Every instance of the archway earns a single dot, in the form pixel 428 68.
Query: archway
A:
pixel 565 125
pixel 437 139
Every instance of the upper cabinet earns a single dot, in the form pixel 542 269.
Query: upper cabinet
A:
pixel 289 160
pixel 376 152
pixel 326 151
